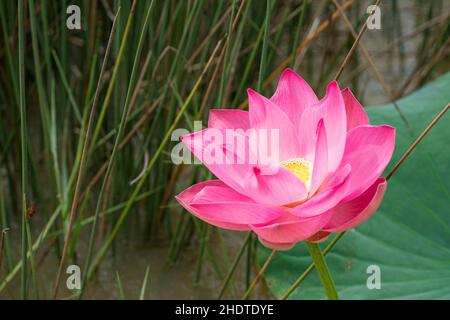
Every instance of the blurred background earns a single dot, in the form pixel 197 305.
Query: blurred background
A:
pixel 169 63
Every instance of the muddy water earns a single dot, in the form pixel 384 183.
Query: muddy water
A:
pixel 130 259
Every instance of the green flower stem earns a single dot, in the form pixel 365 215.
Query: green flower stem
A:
pixel 322 270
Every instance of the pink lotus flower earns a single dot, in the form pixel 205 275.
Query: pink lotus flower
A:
pixel 328 173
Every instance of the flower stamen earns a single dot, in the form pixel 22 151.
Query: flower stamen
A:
pixel 301 168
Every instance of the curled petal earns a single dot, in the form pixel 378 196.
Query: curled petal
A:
pixel 274 188
pixel 335 190
pixel 276 246
pixel 288 229
pixel 220 205
pixel 352 213
pixel 368 150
